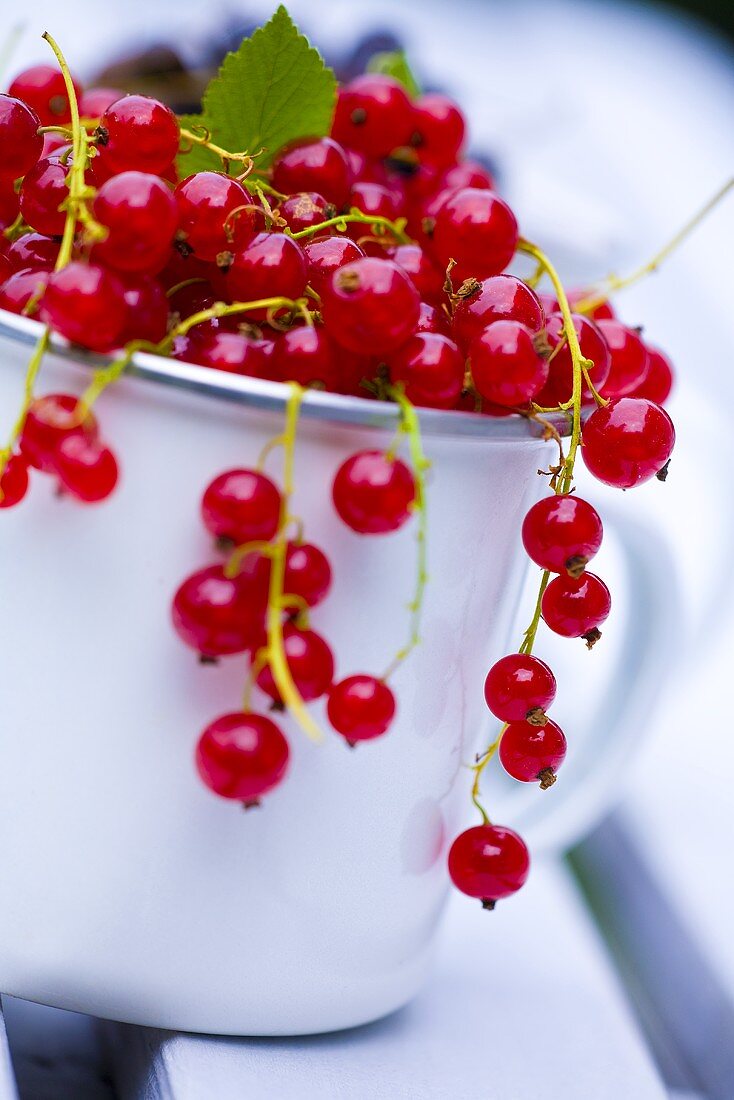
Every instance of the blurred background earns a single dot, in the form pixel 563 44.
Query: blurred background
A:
pixel 609 125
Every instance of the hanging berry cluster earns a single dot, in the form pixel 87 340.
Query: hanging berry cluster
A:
pixel 368 260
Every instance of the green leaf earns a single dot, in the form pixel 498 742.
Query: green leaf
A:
pixel 273 89
pixel 395 65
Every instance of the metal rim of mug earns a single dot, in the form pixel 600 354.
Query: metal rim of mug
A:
pixel 272 396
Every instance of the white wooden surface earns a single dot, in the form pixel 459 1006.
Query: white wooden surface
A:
pixel 524 1005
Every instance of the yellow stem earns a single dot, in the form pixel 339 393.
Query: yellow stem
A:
pixel 224 154
pixel 340 221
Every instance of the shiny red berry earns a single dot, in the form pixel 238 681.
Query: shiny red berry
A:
pixel 562 533
pixel 576 607
pixel 373 115
pixel 658 382
pixel 216 615
pixel 370 306
pixel 489 862
pixel 427 279
pixel 431 369
pixel 505 366
pixel 438 129
pixel 306 355
pixel 140 216
pixel 95 101
pixel 360 708
pixel 325 254
pixel 373 493
pixel 85 468
pixel 9 202
pixel 305 209
pixel 431 319
pixel 627 441
pixel 242 756
pixel 273 265
pixel 19 137
pixel 373 199
pixel 42 87
pixel 233 352
pixel 499 298
pixel 559 386
pixel 310 661
pixel 42 192
pixel 532 753
pixel 50 419
pixel 320 165
pixel 478 230
pixel 629 360
pixel 212 215
pixel 22 288
pixel 307 573
pixel 86 304
pixel 33 252
pixel 138 134
pixel 147 309
pixel 13 481
pixel 467 173
pixel 519 686
pixel 242 505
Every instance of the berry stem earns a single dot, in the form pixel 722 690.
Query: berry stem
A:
pixel 481 763
pixel 410 426
pixel 226 157
pixel 614 282
pixel 397 229
pixel 274 652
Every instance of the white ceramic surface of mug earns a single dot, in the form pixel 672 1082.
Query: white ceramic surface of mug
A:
pixel 128 889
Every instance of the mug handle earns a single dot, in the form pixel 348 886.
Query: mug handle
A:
pixel 616 722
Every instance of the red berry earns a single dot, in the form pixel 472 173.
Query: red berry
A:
pixel 325 254
pixel 505 366
pixel 375 200
pixel 21 143
pixel 629 359
pixel 478 230
pixel 320 165
pixel 216 615
pixel 95 101
pixel 469 173
pixel 602 312
pixel 658 382
pixel 13 481
pixel 50 419
pixel 207 202
pixel 86 304
pixel 438 129
pixel 42 193
pixel 370 306
pixel 488 862
pixel 307 573
pixel 9 202
pixel 139 134
pixel 140 215
pixel 373 115
pixel 42 88
pixel 431 319
pixel 21 288
pixel 427 279
pixel 242 756
pixel 627 441
pixel 499 298
pixel 33 252
pixel 361 707
pixel 431 368
pixel 307 356
pixel 147 309
pixel 559 386
pixel 574 607
pixel 234 352
pixel 273 265
pixel 305 210
pixel 533 753
pixel 373 493
pixel 242 505
pixel 518 685
pixel 310 661
pixel 562 533
pixel 86 469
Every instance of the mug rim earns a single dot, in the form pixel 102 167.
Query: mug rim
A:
pixel 269 396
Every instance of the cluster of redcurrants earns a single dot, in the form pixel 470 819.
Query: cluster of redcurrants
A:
pixel 222 610
pixel 377 256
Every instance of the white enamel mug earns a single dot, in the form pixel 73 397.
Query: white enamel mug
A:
pixel 129 890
